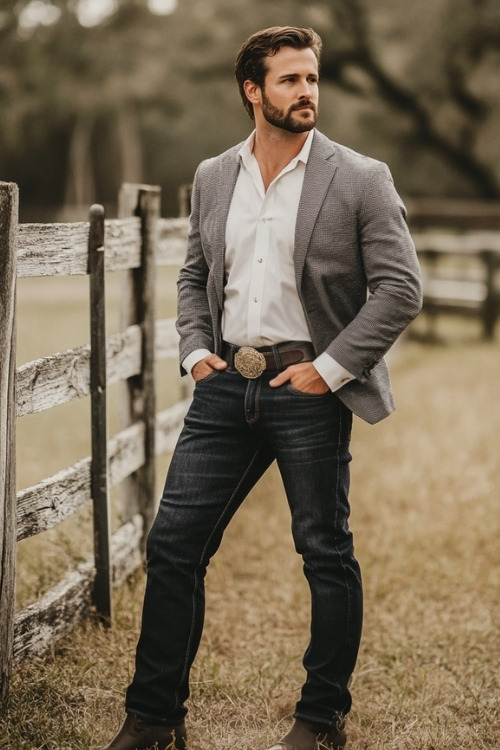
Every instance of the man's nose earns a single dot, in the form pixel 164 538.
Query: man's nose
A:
pixel 305 90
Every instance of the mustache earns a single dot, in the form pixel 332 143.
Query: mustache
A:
pixel 303 103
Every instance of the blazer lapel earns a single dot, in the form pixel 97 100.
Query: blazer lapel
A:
pixel 223 194
pixel 318 176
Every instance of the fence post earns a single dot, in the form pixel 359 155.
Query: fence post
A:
pixel 138 307
pixel 185 192
pixel 492 301
pixel 8 265
pixel 99 433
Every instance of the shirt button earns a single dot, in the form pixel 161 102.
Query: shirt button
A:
pixel 259 260
pixel 255 299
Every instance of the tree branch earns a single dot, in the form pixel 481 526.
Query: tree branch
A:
pixel 351 16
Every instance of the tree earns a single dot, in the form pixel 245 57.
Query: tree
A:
pixel 144 96
pixel 416 82
pixel 445 86
pixel 74 96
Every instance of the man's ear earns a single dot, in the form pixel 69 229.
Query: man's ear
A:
pixel 252 92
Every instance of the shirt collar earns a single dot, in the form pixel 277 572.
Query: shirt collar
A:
pixel 246 151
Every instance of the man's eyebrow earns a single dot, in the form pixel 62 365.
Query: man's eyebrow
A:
pixel 294 75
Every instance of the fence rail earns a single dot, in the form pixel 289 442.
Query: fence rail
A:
pixel 458 244
pixel 136 243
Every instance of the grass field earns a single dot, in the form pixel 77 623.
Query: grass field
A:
pixel 425 493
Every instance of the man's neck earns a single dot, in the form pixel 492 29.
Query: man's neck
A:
pixel 274 148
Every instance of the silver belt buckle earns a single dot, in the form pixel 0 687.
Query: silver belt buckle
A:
pixel 249 362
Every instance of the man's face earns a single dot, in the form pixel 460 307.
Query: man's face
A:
pixel 289 97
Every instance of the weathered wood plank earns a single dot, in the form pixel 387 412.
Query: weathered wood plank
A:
pixel 55 498
pixel 467 243
pixel 168 426
pixel 122 242
pixel 126 453
pixel 62 249
pixel 8 254
pixel 126 554
pixel 53 249
pixel 57 613
pixel 64 377
pixel 44 505
pixel 453 214
pixel 54 380
pixel 123 354
pixel 167 339
pixel 467 293
pixel 171 242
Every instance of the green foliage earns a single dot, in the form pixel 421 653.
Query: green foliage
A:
pixel 142 96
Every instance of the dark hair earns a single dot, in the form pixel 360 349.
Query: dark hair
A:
pixel 251 60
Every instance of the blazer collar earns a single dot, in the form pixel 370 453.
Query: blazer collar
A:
pixel 229 168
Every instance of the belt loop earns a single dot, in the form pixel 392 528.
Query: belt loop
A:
pixel 228 352
pixel 277 356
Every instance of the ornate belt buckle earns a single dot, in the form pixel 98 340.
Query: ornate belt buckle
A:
pixel 249 362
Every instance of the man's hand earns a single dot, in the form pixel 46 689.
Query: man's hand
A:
pixel 303 377
pixel 205 366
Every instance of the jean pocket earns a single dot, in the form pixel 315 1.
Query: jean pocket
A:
pixel 305 394
pixel 207 378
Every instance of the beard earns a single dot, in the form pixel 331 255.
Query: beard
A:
pixel 285 120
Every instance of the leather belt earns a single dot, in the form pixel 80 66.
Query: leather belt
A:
pixel 252 362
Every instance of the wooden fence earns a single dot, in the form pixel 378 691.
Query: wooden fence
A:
pixel 136 243
pixel 458 244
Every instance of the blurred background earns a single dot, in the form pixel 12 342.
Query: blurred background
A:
pixel 97 92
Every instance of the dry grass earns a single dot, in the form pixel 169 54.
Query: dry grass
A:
pixel 425 517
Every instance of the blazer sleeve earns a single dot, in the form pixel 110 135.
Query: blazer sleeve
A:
pixel 392 273
pixel 194 324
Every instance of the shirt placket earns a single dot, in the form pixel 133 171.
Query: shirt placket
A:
pixel 259 266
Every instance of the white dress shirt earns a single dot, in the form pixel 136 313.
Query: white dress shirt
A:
pixel 261 303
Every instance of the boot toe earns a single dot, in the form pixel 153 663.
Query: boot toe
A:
pixel 135 734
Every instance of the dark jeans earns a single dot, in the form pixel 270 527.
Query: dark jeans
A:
pixel 233 431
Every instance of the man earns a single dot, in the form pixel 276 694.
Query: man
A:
pixel 300 274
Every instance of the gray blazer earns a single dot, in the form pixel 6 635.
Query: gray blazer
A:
pixel 357 272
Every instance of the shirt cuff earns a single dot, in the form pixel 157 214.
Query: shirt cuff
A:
pixel 332 373
pixel 195 357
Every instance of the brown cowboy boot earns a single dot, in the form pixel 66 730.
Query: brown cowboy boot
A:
pixel 135 734
pixel 305 736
